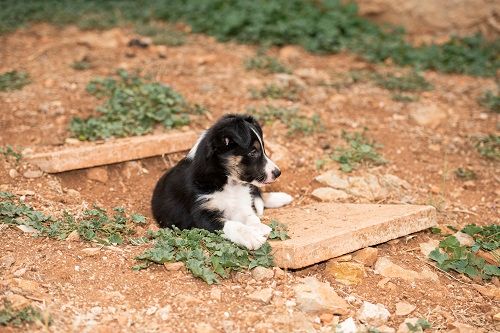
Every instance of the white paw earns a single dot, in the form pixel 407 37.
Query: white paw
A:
pixel 262 229
pixel 243 235
pixel 276 199
pixel 259 206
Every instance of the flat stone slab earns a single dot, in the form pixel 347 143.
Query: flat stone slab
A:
pixel 89 155
pixel 327 230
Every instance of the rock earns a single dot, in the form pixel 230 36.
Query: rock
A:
pixel 7 260
pixel 99 174
pixel 73 193
pixel 216 294
pixel 326 317
pixel 13 173
pixel 386 268
pixel 25 193
pixel 17 302
pixel 329 194
pixel 348 273
pixel 96 310
pixel 31 174
pixel 347 326
pixel 20 272
pixel 29 286
pixel 403 328
pixel 261 273
pixel 162 51
pixel 394 182
pixel 263 295
pixel 366 187
pixel 331 178
pixel 469 185
pixel 428 115
pixel 289 80
pixel 404 309
pixel 173 266
pixel 73 236
pixel 464 328
pixel 278 273
pixel 108 39
pixel 427 247
pixel 151 310
pixel 464 239
pixel 367 256
pixel 318 297
pixel 373 314
pixel 91 251
pixel 205 59
pixel 164 312
pixel 141 42
pixel 27 229
pixel 386 329
pixel 490 291
pixel 496 317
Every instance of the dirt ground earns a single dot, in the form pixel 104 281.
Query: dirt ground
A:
pixel 102 293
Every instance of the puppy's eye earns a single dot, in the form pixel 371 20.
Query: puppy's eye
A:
pixel 253 153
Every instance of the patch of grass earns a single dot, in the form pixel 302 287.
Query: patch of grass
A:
pixel 359 150
pixel 404 98
pixel 412 81
pixel 489 146
pixel 161 34
pixel 274 91
pixel 490 101
pixel 463 259
pixel 265 63
pixel 12 317
pixel 10 152
pixel 328 26
pixel 465 174
pixel 208 256
pixel 13 80
pixel 133 107
pixel 93 225
pixel 421 325
pixel 280 231
pixel 288 116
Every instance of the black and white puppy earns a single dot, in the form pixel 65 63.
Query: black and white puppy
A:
pixel 217 185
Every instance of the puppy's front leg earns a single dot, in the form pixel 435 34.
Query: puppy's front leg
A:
pixel 254 222
pixel 244 235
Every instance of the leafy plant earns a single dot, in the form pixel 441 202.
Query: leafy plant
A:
pixel 94 224
pixel 279 231
pixel 463 259
pixel 265 63
pixel 133 107
pixel 18 317
pixel 288 116
pixel 412 81
pixel 466 174
pixel 403 98
pixel 490 101
pixel 206 255
pixel 360 149
pixel 489 146
pixel 421 325
pixel 81 65
pixel 161 34
pixel 13 80
pixel 9 151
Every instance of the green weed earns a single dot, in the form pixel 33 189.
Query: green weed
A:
pixel 421 325
pixel 161 34
pixel 82 64
pixel 274 91
pixel 328 26
pixel 10 152
pixel 490 101
pixel 266 64
pixel 94 225
pixel 489 146
pixel 463 259
pixel 13 317
pixel 360 149
pixel 466 174
pixel 404 98
pixel 412 81
pixel 288 116
pixel 280 231
pixel 133 107
pixel 206 255
pixel 13 80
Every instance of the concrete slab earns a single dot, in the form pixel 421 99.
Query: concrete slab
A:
pixel 327 230
pixel 114 151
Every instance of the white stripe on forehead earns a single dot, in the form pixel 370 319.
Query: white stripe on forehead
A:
pixel 258 137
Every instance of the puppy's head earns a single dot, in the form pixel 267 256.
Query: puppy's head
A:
pixel 237 141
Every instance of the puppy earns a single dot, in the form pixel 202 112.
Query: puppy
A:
pixel 217 185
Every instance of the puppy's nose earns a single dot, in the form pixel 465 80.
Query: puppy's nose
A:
pixel 276 173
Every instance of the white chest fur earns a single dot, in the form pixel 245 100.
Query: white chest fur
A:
pixel 235 201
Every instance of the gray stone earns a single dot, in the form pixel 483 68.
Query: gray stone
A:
pixel 373 314
pixel 428 115
pixel 261 273
pixel 404 309
pixel 263 295
pixel 329 194
pixel 33 174
pixel 316 297
pixel 332 179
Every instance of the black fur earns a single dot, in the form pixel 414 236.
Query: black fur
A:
pixel 175 197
